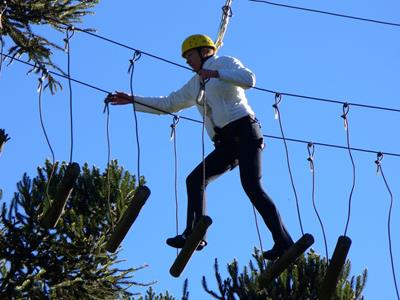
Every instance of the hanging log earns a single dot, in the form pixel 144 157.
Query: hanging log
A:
pixel 335 267
pixel 128 218
pixel 190 246
pixel 52 215
pixel 286 259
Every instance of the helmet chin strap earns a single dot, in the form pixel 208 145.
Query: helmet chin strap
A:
pixel 203 59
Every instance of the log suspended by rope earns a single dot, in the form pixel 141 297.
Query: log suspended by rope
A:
pixel 286 259
pixel 335 267
pixel 53 213
pixel 128 218
pixel 191 245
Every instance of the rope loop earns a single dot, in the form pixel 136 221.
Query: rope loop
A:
pixel 70 31
pixel 45 75
pixel 175 122
pixel 379 158
pixel 107 104
pixel 136 56
pixel 346 108
pixel 311 150
pixel 278 99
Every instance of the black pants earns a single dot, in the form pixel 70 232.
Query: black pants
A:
pixel 239 143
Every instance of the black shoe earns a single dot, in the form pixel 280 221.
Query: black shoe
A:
pixel 180 240
pixel 275 252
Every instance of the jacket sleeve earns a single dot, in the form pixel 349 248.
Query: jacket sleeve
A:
pixel 174 102
pixel 233 71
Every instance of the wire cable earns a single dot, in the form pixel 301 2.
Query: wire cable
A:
pixel 135 58
pixel 327 13
pixel 69 34
pixel 278 99
pixel 346 108
pixel 379 169
pixel 304 97
pixel 326 100
pixel 311 151
pixel 329 145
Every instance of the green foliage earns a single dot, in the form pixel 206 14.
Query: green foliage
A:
pixel 18 19
pixel 301 281
pixel 68 262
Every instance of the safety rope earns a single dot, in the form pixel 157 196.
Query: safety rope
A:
pixel 346 109
pixel 202 100
pixel 378 163
pixel 69 34
pixel 2 10
pixel 175 122
pixel 311 151
pixel 226 15
pixel 110 211
pixel 136 56
pixel 40 92
pixel 278 99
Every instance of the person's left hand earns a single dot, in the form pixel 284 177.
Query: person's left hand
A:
pixel 206 74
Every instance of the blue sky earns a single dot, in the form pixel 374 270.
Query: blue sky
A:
pixel 289 51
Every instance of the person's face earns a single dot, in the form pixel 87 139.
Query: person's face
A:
pixel 193 59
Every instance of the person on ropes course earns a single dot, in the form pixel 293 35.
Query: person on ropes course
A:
pixel 218 89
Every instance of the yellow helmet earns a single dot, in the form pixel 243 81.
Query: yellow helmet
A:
pixel 196 41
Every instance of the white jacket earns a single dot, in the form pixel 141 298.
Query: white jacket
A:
pixel 225 95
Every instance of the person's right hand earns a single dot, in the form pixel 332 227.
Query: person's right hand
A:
pixel 119 98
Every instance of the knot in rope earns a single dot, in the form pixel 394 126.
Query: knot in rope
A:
pixel 227 11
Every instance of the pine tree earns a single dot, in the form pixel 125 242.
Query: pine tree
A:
pixel 301 281
pixel 70 261
pixel 19 18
